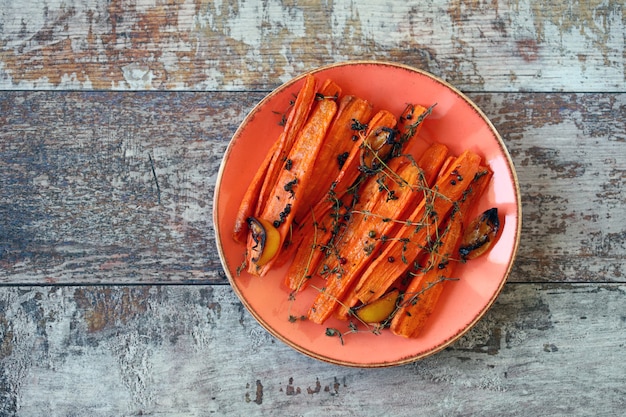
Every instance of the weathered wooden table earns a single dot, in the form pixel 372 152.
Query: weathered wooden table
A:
pixel 114 116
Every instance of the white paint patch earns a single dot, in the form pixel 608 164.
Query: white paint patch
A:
pixel 138 76
pixel 186 16
pixel 375 20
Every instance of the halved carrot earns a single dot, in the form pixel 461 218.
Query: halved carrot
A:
pixel 382 125
pixel 430 164
pixel 386 195
pixel 411 121
pixel 255 194
pixel 424 290
pixel 249 202
pixel 286 196
pixel 409 243
pixel 305 263
pixel 335 149
pixel 314 241
pixel 351 168
pixel 295 122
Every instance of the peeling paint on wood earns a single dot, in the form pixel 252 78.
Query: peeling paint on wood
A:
pixel 477 45
pixel 102 309
pixel 79 197
pixel 172 354
pixel 572 182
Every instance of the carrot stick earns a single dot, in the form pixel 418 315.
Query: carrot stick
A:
pixel 410 122
pixel 335 149
pixel 409 243
pixel 315 239
pixel 250 199
pixel 352 166
pixel 384 196
pixel 298 233
pixel 339 140
pixel 424 290
pixel 294 123
pixel 286 196
pixel 382 123
pixel 253 198
pixel 430 164
pixel 338 191
pixel 384 143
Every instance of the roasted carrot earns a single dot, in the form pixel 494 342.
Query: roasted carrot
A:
pixel 249 202
pixel 409 243
pixel 293 125
pixel 286 196
pixel 390 193
pixel 352 168
pixel 315 240
pixel 338 192
pixel 349 205
pixel 411 121
pixel 425 288
pixel 382 128
pixel 430 165
pixel 335 149
pixel 255 193
pixel 384 143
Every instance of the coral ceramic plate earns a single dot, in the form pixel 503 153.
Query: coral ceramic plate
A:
pixel 456 122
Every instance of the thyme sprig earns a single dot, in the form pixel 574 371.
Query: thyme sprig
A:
pixel 406 222
pixel 320 97
pixel 412 128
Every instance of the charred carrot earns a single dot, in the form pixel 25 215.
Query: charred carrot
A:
pixel 293 125
pixel 286 196
pixel 430 165
pixel 425 220
pixel 383 197
pixel 424 290
pixel 335 150
pixel 254 196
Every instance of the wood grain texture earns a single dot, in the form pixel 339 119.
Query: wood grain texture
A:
pixel 79 202
pixel 237 45
pixel 194 351
pixel 79 197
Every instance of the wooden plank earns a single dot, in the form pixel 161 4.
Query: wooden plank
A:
pixel 573 182
pixel 106 187
pixel 200 45
pixel 79 202
pixel 551 349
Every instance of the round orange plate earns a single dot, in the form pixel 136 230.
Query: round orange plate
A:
pixel 456 122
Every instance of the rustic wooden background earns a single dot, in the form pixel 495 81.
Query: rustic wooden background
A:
pixel 114 116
